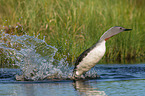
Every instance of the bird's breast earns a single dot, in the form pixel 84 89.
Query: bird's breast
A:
pixel 95 54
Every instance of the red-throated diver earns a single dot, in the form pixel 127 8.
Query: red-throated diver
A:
pixel 92 55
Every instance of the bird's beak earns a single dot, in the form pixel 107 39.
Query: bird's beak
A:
pixel 127 29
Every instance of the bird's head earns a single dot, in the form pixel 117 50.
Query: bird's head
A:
pixel 113 31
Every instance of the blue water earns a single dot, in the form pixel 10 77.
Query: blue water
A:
pixel 116 80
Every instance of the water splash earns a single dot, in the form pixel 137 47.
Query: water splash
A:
pixel 35 58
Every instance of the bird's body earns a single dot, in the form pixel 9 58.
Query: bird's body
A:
pixel 92 55
pixel 91 58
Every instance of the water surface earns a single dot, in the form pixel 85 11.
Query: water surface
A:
pixel 116 80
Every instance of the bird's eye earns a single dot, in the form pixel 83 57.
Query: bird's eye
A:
pixel 120 28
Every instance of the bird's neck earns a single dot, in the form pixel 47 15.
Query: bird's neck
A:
pixel 100 44
pixel 101 41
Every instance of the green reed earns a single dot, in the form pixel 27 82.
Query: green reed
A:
pixel 74 25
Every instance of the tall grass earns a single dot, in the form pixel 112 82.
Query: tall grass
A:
pixel 74 25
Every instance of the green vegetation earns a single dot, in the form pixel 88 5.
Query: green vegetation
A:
pixel 74 25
